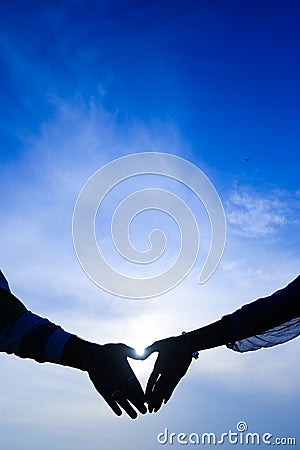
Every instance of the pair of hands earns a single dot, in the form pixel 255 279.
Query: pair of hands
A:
pixel 114 379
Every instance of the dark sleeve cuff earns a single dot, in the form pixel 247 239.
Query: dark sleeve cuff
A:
pixel 75 352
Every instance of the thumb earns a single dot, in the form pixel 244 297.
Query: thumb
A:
pixel 134 353
pixel 140 355
pixel 149 350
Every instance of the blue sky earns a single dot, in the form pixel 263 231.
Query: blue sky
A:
pixel 83 83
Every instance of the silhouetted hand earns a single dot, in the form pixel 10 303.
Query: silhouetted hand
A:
pixel 171 365
pixel 114 379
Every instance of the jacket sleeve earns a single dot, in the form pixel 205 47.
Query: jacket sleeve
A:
pixel 267 321
pixel 25 334
pixel 11 308
pixel 28 335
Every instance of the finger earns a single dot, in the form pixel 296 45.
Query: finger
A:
pixel 135 394
pixel 147 351
pixel 112 403
pixel 140 355
pixel 124 403
pixel 169 390
pixel 156 397
pixel 162 391
pixel 117 400
pixel 155 347
pixel 132 353
pixel 158 404
pixel 152 381
pixel 155 401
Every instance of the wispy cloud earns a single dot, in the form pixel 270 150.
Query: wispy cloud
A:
pixel 257 213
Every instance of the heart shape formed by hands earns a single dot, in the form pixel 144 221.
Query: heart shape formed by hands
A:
pixel 114 379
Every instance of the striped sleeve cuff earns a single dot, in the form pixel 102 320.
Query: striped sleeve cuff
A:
pixel 32 336
pixel 12 336
pixel 55 345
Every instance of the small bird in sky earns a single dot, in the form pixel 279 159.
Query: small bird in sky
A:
pixel 247 159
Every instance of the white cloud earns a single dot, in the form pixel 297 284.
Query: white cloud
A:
pixel 258 214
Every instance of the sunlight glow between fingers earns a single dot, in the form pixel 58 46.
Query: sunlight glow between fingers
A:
pixel 140 351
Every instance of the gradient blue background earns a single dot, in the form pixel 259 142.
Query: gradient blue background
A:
pixel 83 83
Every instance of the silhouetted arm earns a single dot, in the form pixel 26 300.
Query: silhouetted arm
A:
pixel 28 335
pixel 264 322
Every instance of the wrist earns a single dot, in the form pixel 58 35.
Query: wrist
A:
pixel 77 353
pixel 194 353
pixel 213 335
